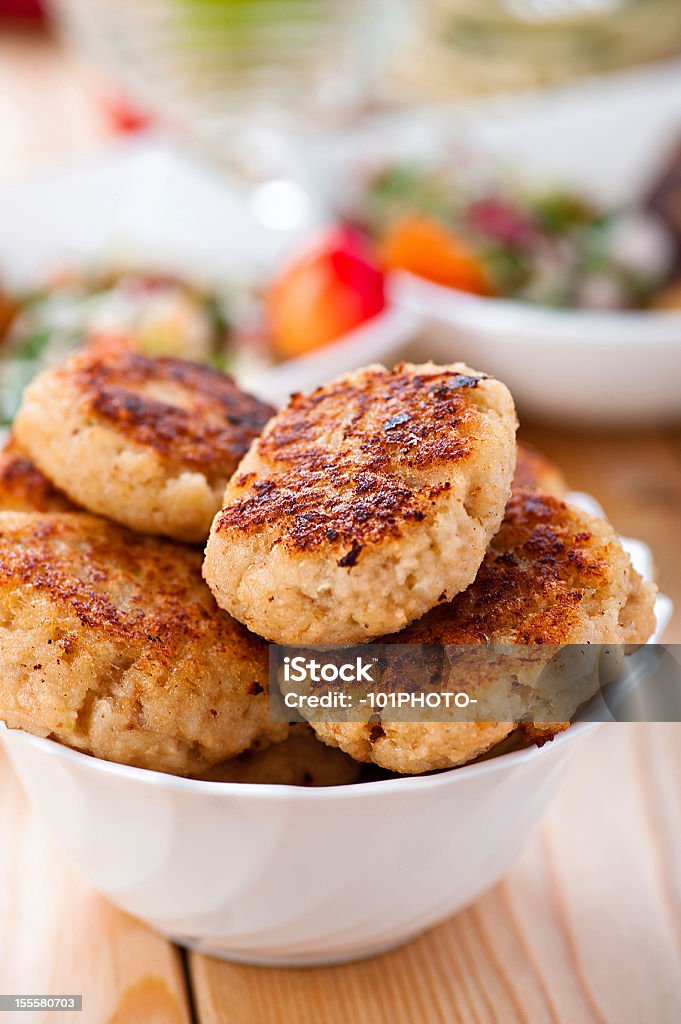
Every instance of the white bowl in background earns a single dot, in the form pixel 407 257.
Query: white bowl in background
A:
pixel 571 367
pixel 146 204
pixel 608 137
pixel 284 875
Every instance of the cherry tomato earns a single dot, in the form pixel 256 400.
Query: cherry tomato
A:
pixel 324 293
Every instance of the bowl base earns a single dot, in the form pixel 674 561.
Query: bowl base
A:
pixel 304 960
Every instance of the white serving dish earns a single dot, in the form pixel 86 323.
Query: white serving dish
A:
pixel 149 205
pixel 292 876
pixel 566 366
pixel 607 137
pixel 288 876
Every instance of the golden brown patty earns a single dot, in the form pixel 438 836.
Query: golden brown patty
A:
pixel 552 575
pixel 301 760
pixel 535 470
pixel 150 443
pixel 111 643
pixel 363 503
pixel 23 488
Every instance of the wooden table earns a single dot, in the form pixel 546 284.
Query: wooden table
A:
pixel 586 927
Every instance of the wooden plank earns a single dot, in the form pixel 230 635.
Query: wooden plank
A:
pixel 585 928
pixel 58 936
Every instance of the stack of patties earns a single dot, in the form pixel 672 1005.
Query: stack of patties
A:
pixel 380 507
pixel 376 507
pixel 110 641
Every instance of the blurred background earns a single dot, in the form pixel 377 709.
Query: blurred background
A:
pixel 502 178
pixel 331 57
pixel 215 68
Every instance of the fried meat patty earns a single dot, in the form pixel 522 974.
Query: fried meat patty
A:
pixel 149 443
pixel 301 760
pixel 534 470
pixel 364 503
pixel 111 643
pixel 23 488
pixel 552 575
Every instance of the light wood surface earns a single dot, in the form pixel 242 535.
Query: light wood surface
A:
pixel 57 936
pixel 585 928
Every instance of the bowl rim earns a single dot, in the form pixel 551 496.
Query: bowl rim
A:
pixel 506 315
pixel 277 792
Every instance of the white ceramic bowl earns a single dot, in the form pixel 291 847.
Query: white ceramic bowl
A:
pixel 286 875
pixel 291 876
pixel 608 137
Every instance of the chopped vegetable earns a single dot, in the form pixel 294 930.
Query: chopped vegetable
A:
pixel 426 248
pixel 8 310
pixel 478 234
pixel 669 298
pixel 324 293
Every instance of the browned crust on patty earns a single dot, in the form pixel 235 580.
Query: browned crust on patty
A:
pixel 111 643
pixel 347 464
pixel 131 588
pixel 540 569
pixel 553 575
pixel 23 488
pixel 188 413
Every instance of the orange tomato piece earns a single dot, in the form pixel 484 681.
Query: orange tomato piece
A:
pixel 428 249
pixel 324 293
